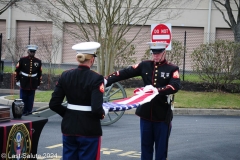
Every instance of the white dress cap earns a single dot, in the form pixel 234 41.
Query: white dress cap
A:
pixel 32 47
pixel 86 47
pixel 157 45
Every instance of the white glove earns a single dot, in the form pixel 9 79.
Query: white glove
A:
pixel 106 110
pixel 105 81
pixel 18 83
pixel 148 88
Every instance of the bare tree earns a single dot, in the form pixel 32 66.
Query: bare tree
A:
pixel 48 50
pixel 6 4
pixel 234 24
pixel 104 21
pixel 126 59
pixel 14 49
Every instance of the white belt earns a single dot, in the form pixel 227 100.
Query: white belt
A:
pixel 79 107
pixel 29 75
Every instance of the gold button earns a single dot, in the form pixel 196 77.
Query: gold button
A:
pixel 155 74
pixel 156 71
pixel 155 79
pixel 30 72
pixel 146 73
pixel 156 66
pixel 154 83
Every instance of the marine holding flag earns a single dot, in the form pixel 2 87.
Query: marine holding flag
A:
pixel 156 115
pixel 83 88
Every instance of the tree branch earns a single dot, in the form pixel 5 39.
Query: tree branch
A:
pixel 230 14
pixel 9 4
pixel 238 7
pixel 224 18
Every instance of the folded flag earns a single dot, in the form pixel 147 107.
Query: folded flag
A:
pixel 141 96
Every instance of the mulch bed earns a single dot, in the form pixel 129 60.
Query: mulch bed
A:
pixel 49 84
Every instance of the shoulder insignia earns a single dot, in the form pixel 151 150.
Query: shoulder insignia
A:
pixel 101 88
pixel 135 66
pixel 175 74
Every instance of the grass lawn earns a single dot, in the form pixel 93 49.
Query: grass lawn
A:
pixel 207 100
pixel 57 71
pixel 183 99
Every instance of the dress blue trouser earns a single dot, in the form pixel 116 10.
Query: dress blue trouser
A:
pixel 28 98
pixel 154 133
pixel 81 148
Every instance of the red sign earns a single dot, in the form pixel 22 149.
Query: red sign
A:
pixel 161 33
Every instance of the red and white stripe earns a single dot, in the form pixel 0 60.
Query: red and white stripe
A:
pixel 141 96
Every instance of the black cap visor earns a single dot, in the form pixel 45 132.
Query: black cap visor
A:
pixel 31 50
pixel 157 51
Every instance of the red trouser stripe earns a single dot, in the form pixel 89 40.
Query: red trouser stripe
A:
pixel 99 147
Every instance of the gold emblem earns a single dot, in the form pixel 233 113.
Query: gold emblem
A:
pixel 19 142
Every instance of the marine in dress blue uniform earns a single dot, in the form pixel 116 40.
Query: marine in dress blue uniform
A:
pixel 28 75
pixel 83 89
pixel 156 115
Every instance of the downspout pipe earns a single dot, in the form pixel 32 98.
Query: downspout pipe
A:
pixel 209 20
pixel 9 26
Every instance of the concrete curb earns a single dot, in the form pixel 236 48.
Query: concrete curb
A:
pixel 190 111
pixel 5 101
pixel 8 92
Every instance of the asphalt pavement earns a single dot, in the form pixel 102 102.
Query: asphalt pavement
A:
pixel 192 138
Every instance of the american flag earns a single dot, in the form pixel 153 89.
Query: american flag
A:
pixel 141 96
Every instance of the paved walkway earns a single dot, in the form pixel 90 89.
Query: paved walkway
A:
pixel 176 111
